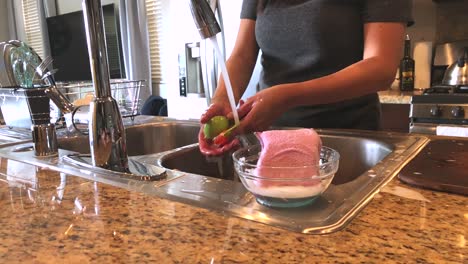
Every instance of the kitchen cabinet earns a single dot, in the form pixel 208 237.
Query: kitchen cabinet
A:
pixel 395 107
pixel 395 117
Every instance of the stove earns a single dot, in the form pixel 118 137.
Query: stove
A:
pixel 439 105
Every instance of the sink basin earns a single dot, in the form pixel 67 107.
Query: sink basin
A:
pixel 368 160
pixel 358 155
pixel 143 139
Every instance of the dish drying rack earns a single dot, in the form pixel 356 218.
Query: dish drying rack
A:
pixel 22 107
pixel 125 92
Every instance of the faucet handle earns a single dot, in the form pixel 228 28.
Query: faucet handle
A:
pixel 59 99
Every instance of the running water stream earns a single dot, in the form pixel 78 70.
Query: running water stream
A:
pixel 230 93
pixel 227 80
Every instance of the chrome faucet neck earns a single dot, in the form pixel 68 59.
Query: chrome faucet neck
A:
pixel 106 130
pixel 205 20
pixel 96 40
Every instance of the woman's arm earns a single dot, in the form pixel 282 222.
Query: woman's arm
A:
pixel 383 44
pixel 240 66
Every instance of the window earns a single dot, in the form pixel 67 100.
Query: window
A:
pixel 32 27
pixel 34 34
pixel 154 17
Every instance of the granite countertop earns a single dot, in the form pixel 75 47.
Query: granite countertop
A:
pixel 394 96
pixel 48 217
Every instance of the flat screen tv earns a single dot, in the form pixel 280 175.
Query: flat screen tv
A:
pixel 67 38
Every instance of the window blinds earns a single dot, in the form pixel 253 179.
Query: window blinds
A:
pixel 155 32
pixel 32 26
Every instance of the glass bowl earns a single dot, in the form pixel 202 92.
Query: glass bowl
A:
pixel 281 186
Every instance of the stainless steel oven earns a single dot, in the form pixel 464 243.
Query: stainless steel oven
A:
pixel 441 104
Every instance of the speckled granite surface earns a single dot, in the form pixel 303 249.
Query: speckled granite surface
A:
pixel 396 96
pixel 46 217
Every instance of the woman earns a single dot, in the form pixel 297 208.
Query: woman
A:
pixel 323 63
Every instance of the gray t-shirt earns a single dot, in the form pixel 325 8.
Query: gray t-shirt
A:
pixel 303 40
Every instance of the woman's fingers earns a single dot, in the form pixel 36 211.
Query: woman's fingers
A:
pixel 210 112
pixel 231 116
pixel 245 108
pixel 209 149
pixel 245 126
pixel 202 143
pixel 212 150
pixel 233 144
pixel 255 117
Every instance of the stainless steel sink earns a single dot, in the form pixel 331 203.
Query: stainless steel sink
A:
pixel 358 155
pixel 369 160
pixel 143 139
pixel 9 136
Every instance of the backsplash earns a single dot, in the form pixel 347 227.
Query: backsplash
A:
pixel 451 20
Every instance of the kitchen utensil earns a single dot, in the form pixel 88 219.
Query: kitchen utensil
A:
pixel 441 165
pixel 457 72
pixel 41 68
pixel 49 74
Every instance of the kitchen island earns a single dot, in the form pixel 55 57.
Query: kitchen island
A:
pixel 49 217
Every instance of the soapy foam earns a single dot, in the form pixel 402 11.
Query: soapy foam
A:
pixel 290 192
pixel 287 191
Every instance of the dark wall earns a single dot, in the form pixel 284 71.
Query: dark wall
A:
pixel 451 20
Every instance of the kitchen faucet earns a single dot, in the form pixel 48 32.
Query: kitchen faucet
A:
pixel 106 130
pixel 205 20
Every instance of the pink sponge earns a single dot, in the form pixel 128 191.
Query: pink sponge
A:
pixel 289 148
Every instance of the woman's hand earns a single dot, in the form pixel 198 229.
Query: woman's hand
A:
pixel 206 145
pixel 260 111
pixel 217 108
